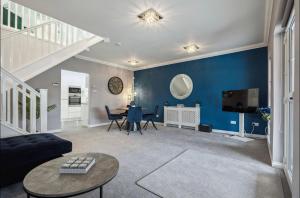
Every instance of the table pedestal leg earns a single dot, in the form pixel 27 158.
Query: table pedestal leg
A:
pixel 101 191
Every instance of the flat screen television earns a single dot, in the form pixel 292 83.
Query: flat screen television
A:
pixel 242 101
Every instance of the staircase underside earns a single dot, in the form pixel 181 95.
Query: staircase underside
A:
pixel 31 70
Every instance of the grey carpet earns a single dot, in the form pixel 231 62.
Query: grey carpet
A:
pixel 197 174
pixel 141 154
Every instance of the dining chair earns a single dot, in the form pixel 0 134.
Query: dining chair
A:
pixel 135 116
pixel 124 115
pixel 113 118
pixel 150 117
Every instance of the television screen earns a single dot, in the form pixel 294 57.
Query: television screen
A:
pixel 242 101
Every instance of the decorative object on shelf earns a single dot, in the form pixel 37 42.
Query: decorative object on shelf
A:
pixel 115 85
pixel 77 165
pixel 265 114
pixel 181 86
pixel 197 103
pixel 166 103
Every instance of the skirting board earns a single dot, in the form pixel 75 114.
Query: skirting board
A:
pixel 55 131
pixel 108 123
pixel 277 164
pixel 98 125
pixel 274 163
pixel 236 133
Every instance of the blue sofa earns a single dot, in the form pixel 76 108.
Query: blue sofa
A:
pixel 20 154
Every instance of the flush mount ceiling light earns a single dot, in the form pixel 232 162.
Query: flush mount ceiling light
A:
pixel 191 48
pixel 133 62
pixel 150 16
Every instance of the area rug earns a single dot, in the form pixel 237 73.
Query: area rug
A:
pixel 195 174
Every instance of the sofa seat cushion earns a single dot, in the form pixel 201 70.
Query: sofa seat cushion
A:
pixel 22 149
pixel 20 154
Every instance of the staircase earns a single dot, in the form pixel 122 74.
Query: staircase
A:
pixel 23 109
pixel 32 43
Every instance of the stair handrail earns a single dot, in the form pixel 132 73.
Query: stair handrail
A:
pixel 28 87
pixel 12 34
pixel 11 106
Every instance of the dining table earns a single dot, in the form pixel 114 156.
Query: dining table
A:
pixel 121 110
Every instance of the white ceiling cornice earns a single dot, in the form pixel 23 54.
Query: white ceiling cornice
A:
pixel 102 62
pixel 202 56
pixel 268 19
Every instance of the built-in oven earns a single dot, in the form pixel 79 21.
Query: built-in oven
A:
pixel 74 90
pixel 74 96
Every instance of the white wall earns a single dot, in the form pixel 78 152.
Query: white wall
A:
pixel 99 93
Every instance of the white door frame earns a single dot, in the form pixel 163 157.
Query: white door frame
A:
pixel 289 64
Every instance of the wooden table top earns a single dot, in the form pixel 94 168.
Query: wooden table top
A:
pixel 46 181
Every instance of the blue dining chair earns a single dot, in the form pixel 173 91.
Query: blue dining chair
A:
pixel 150 117
pixel 113 118
pixel 134 116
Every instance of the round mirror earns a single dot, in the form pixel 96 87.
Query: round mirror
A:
pixel 181 86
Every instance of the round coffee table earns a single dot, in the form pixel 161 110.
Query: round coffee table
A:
pixel 45 181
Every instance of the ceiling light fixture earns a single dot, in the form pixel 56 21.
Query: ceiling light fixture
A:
pixel 133 62
pixel 191 48
pixel 150 16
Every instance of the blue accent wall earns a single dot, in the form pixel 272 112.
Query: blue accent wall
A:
pixel 211 76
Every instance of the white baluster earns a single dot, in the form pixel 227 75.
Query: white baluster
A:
pixel 43 109
pixel 2 13
pixel 55 32
pixel 32 112
pixel 43 39
pixel 15 100
pixel 4 93
pixel 35 18
pixel 72 35
pixel 24 104
pixel 67 35
pixel 16 16
pixel 23 18
pixel 8 105
pixel 29 18
pixel 8 11
pixel 49 36
pixel 61 35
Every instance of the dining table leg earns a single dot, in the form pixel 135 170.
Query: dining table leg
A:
pixel 101 191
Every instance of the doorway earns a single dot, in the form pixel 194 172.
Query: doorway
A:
pixel 74 99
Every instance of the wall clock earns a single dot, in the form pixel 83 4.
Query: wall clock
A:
pixel 115 85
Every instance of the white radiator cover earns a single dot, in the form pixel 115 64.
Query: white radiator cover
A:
pixel 182 116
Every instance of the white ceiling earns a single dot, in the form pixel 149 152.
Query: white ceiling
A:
pixel 218 26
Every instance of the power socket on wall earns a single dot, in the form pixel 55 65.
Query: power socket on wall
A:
pixel 232 122
pixel 256 124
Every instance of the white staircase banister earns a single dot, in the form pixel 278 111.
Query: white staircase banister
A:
pixel 6 73
pixel 13 107
pixel 12 34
